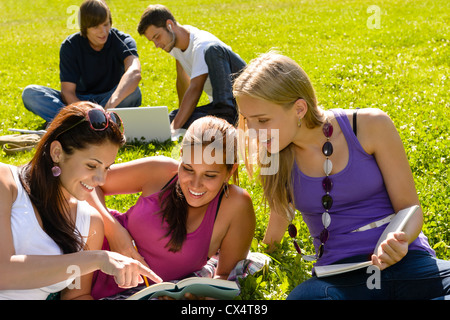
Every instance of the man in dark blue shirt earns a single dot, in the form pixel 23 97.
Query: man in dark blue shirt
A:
pixel 98 64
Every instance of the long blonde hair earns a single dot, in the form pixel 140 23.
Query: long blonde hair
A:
pixel 278 79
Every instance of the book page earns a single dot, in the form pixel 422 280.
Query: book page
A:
pixel 397 224
pixel 205 287
pixel 207 281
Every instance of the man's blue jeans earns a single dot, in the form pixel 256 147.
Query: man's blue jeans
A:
pixel 223 66
pixel 418 276
pixel 46 102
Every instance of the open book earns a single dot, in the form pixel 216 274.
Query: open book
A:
pixel 397 224
pixel 204 287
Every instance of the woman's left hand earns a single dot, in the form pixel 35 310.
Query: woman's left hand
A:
pixel 391 251
pixel 123 244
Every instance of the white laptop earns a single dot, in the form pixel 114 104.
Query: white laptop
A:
pixel 145 123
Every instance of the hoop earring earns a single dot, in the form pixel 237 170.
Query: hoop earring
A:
pixel 56 171
pixel 226 190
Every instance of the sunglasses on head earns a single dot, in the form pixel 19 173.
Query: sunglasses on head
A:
pixel 99 120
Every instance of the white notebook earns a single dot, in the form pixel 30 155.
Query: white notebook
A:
pixel 397 224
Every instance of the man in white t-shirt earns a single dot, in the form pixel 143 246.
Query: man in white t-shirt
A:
pixel 203 62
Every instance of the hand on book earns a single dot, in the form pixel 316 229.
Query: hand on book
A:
pixel 391 250
pixel 391 247
pixel 127 272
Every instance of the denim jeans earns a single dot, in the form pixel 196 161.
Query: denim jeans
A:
pixel 46 102
pixel 418 275
pixel 223 66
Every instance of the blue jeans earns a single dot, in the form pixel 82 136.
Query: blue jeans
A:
pixel 418 275
pixel 46 102
pixel 223 66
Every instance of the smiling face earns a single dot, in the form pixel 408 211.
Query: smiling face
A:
pixel 201 182
pixel 98 35
pixel 85 169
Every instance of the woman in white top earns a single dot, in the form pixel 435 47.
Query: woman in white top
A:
pixel 49 235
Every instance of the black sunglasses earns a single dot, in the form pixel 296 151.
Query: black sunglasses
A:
pixel 99 120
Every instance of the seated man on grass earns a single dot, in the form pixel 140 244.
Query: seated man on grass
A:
pixel 98 64
pixel 203 63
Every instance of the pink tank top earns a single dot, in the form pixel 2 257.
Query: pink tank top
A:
pixel 146 227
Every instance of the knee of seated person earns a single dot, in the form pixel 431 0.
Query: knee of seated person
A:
pixel 311 289
pixel 136 96
pixel 213 51
pixel 28 94
pixel 29 91
pixel 133 100
pixel 226 105
pixel 226 111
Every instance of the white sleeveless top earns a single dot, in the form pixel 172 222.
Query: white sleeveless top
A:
pixel 30 239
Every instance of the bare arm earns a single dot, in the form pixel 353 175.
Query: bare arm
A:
pixel 379 137
pixel 128 83
pixel 68 92
pixel 183 81
pixel 237 238
pixel 275 230
pixel 146 175
pixel 34 271
pixel 188 94
pixel 93 242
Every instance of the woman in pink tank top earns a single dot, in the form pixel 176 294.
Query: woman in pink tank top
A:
pixel 187 211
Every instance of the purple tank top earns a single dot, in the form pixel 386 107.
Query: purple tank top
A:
pixel 359 198
pixel 144 223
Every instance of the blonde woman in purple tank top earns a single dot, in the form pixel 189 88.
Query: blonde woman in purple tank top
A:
pixel 346 180
pixel 187 210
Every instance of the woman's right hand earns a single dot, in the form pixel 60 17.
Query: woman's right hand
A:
pixel 126 271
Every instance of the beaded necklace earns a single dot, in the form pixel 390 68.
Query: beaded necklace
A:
pixel 327 184
pixel 327 200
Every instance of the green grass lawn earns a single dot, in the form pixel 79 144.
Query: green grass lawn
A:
pixel 396 58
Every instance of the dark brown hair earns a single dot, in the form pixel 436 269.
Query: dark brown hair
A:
pixel 93 13
pixel 156 15
pixel 44 189
pixel 203 132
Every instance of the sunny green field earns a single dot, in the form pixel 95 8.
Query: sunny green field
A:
pixel 393 55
